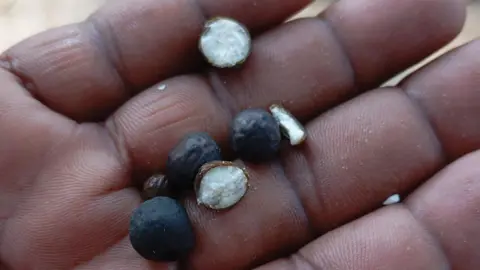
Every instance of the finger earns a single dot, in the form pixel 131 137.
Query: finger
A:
pixel 385 37
pixel 86 70
pixel 282 69
pixel 314 64
pixel 21 151
pixel 440 231
pixel 147 126
pixel 105 90
pixel 448 205
pixel 387 239
pixel 356 156
pixel 448 92
pixel 123 257
pixel 77 207
pixel 272 192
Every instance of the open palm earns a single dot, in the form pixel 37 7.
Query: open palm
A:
pixel 90 109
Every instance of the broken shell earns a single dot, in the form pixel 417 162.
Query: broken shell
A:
pixel 155 186
pixel 221 184
pixel 289 125
pixel 225 42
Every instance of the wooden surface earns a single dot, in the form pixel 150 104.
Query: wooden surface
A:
pixel 22 18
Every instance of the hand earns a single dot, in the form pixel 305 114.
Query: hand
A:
pixel 82 116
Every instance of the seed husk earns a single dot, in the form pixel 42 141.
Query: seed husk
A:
pixel 221 184
pixel 160 230
pixel 255 136
pixel 225 42
pixel 291 128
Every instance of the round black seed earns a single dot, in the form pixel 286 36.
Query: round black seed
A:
pixel 191 153
pixel 255 135
pixel 160 230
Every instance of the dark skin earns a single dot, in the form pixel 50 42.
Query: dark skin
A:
pixel 82 119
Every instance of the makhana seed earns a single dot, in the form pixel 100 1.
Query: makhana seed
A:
pixel 186 158
pixel 225 42
pixel 160 230
pixel 221 184
pixel 255 135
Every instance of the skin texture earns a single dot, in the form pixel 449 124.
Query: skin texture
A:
pixel 83 118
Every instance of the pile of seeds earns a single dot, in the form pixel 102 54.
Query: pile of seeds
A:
pixel 160 229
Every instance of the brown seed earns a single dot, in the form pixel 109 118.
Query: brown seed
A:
pixel 155 186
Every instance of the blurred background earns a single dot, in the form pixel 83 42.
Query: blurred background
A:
pixel 22 18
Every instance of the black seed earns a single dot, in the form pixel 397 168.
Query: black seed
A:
pixel 160 230
pixel 184 161
pixel 255 135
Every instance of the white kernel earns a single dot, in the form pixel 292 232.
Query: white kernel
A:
pixel 221 185
pixel 225 42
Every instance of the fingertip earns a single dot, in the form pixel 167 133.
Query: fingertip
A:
pixel 381 40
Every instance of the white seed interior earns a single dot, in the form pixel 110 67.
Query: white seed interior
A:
pixel 226 43
pixel 222 187
pixel 295 131
pixel 392 200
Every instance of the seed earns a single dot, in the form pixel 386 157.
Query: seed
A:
pixel 255 135
pixel 289 125
pixel 156 185
pixel 186 158
pixel 160 230
pixel 221 184
pixel 225 42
